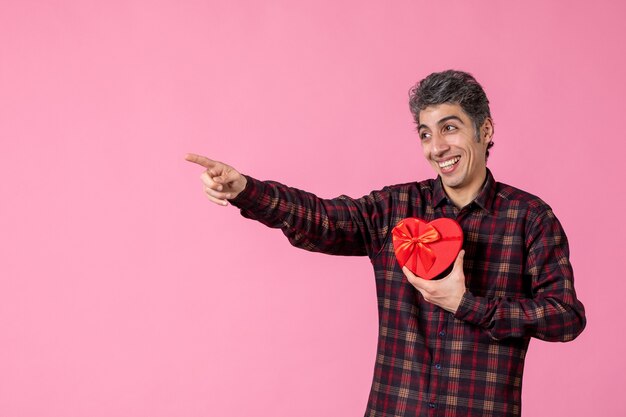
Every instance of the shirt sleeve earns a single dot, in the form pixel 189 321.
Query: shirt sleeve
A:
pixel 339 226
pixel 553 313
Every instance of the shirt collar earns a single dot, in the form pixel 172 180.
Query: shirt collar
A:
pixel 439 194
pixel 484 199
pixel 487 194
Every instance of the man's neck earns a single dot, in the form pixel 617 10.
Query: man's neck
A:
pixel 461 197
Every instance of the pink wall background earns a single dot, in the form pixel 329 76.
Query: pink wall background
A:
pixel 124 292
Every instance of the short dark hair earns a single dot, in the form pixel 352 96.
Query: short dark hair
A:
pixel 452 87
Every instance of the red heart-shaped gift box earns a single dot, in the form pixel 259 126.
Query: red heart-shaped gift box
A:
pixel 427 249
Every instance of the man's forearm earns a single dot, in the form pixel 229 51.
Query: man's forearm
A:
pixel 545 318
pixel 309 222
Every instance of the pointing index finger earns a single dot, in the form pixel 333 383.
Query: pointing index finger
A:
pixel 200 160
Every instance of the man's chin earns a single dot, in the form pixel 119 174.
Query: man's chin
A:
pixel 451 183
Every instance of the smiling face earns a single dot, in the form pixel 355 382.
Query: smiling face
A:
pixel 455 151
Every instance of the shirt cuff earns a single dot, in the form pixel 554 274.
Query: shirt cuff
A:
pixel 472 309
pixel 248 198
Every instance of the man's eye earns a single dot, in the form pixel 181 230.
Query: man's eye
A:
pixel 425 136
pixel 449 128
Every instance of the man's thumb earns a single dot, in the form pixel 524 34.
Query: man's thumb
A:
pixel 459 258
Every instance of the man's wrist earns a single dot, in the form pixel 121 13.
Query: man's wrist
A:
pixel 247 197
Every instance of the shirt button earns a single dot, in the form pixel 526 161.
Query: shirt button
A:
pixel 432 405
pixel 438 366
pixel 442 333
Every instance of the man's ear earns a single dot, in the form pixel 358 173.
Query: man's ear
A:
pixel 486 130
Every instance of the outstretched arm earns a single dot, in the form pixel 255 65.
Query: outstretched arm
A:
pixel 340 226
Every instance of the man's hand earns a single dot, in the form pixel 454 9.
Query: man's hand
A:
pixel 221 182
pixel 446 292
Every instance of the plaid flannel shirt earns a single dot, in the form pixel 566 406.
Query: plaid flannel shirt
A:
pixel 431 362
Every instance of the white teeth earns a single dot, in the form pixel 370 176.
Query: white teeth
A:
pixel 449 162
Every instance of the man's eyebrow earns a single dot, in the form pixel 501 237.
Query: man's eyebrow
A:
pixel 442 121
pixel 445 119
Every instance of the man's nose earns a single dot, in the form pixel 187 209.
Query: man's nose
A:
pixel 440 146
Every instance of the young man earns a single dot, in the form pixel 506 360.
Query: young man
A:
pixel 454 346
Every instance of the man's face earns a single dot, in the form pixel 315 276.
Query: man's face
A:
pixel 449 144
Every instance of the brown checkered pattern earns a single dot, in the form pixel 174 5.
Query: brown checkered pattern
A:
pixel 431 362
